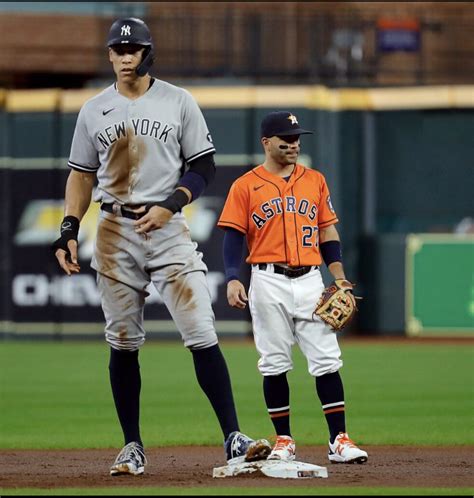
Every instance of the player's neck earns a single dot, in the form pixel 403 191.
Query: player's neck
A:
pixel 282 170
pixel 134 89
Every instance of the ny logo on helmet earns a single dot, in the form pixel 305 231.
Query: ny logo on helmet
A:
pixel 125 30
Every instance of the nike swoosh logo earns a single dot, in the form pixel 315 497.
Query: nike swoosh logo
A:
pixel 104 113
pixel 259 186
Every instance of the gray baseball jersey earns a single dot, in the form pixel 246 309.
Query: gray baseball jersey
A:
pixel 139 148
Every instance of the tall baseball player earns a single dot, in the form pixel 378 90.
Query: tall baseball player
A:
pixel 147 144
pixel 284 211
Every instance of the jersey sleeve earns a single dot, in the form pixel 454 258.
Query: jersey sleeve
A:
pixel 84 155
pixel 234 213
pixel 195 140
pixel 327 215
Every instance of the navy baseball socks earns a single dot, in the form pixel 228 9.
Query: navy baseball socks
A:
pixel 331 394
pixel 125 380
pixel 277 398
pixel 213 377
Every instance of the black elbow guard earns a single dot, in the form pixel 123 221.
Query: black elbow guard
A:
pixel 205 167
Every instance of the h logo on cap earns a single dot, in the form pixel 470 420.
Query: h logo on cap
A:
pixel 125 30
pixel 281 123
pixel 293 119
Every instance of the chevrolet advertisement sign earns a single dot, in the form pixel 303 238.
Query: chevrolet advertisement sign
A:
pixel 44 300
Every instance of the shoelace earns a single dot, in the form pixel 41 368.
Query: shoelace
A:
pixel 132 451
pixel 345 440
pixel 236 443
pixel 282 444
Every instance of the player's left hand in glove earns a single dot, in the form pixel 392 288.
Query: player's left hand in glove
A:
pixel 65 248
pixel 337 305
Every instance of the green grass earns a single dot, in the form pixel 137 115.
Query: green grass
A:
pixel 57 395
pixel 247 491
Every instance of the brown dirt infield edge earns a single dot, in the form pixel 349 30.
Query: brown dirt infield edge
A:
pixel 192 466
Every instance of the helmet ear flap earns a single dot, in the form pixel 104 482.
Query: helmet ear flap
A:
pixel 147 61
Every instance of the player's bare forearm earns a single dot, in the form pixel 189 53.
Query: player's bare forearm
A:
pixel 78 196
pixel 236 295
pixel 337 270
pixel 328 233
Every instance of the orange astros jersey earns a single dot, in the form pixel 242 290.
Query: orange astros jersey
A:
pixel 281 219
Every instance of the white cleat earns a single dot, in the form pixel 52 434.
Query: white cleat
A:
pixel 343 450
pixel 284 449
pixel 130 460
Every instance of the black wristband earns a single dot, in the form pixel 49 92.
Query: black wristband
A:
pixel 174 203
pixel 331 251
pixel 69 231
pixel 70 228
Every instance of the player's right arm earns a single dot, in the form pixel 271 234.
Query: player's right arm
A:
pixel 84 163
pixel 234 220
pixel 232 252
pixel 78 196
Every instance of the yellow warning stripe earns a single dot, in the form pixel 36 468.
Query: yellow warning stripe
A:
pixel 274 97
pixel 42 100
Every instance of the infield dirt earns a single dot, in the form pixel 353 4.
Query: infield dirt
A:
pixel 191 466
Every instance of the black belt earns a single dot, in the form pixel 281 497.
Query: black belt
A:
pixel 289 272
pixel 119 210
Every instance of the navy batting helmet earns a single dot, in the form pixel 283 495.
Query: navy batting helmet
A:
pixel 132 30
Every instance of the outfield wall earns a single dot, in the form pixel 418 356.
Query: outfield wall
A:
pixel 397 161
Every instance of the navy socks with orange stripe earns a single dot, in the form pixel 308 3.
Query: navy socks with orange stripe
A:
pixel 331 394
pixel 277 398
pixel 330 391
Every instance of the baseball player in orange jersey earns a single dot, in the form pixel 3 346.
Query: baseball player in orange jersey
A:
pixel 284 211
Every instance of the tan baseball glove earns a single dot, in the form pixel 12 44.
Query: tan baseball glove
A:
pixel 337 306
